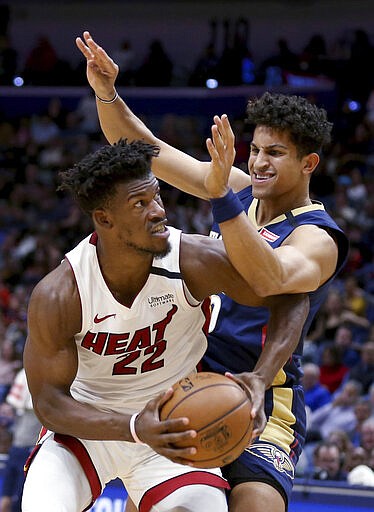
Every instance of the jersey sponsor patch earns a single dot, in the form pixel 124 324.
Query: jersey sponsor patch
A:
pixel 160 300
pixel 274 456
pixel 268 235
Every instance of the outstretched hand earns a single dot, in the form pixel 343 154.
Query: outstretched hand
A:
pixel 102 71
pixel 221 148
pixel 164 436
pixel 254 386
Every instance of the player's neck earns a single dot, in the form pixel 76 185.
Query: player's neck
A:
pixel 125 274
pixel 269 209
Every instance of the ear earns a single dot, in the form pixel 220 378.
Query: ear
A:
pixel 102 218
pixel 310 162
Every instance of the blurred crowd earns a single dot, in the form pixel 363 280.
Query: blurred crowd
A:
pixel 227 59
pixel 38 225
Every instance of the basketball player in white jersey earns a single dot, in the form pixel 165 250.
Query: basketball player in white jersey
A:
pixel 123 317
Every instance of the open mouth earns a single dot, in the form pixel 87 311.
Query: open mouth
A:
pixel 159 229
pixel 262 177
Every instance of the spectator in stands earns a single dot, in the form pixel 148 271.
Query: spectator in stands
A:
pixel 371 459
pixel 41 63
pixel 362 410
pixel 205 67
pixel 367 436
pixel 25 433
pixel 357 195
pixel 124 56
pixel 363 371
pixel 9 365
pixel 360 75
pixel 8 61
pixel 333 314
pixel 157 68
pixel 355 296
pixel 284 60
pixel 356 457
pixel 43 129
pixel 313 56
pixel 86 115
pixel 328 462
pixel 316 395
pixel 332 369
pixel 342 441
pixel 349 351
pixel 370 397
pixel 338 414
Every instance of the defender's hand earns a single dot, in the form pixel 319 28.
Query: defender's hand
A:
pixel 221 149
pixel 255 388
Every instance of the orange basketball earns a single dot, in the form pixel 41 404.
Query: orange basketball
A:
pixel 220 412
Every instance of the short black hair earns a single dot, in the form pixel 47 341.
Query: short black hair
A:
pixel 305 123
pixel 93 181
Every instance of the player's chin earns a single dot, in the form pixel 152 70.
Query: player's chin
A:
pixel 161 250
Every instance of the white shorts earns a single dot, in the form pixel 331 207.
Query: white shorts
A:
pixel 68 474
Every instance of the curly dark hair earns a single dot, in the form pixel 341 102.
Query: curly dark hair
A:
pixel 93 181
pixel 305 123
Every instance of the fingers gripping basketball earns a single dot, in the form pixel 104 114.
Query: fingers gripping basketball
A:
pixel 220 412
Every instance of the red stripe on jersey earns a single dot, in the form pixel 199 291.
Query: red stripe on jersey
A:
pixel 159 492
pixel 206 309
pixel 93 238
pixel 263 335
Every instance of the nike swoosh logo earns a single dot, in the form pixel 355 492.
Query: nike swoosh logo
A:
pixel 97 320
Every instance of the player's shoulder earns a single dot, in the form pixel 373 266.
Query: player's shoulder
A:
pixel 196 247
pixel 315 241
pixel 312 233
pixel 57 285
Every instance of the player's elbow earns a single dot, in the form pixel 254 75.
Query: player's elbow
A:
pixel 47 412
pixel 266 289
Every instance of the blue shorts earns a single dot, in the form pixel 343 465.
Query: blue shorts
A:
pixel 272 457
pixel 263 462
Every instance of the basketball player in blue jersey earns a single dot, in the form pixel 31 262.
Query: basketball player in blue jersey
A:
pixel 276 237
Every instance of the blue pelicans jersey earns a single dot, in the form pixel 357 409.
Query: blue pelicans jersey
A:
pixel 237 335
pixel 238 332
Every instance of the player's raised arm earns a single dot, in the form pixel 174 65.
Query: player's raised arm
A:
pixel 118 121
pixel 308 257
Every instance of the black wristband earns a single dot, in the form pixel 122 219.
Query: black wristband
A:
pixel 226 207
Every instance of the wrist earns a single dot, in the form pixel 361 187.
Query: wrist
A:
pixel 107 97
pixel 263 378
pixel 226 207
pixel 132 429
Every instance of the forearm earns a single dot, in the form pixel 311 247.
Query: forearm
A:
pixel 252 256
pixel 62 413
pixel 287 318
pixel 117 120
pixel 172 166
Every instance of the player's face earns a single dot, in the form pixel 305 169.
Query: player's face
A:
pixel 139 217
pixel 274 165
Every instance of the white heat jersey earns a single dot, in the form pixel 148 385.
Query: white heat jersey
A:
pixel 129 355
